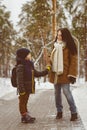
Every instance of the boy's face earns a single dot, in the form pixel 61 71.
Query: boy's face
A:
pixel 28 57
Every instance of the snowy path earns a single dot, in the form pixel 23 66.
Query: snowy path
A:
pixel 41 106
pixel 8 94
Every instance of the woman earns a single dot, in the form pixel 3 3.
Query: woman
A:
pixel 64 70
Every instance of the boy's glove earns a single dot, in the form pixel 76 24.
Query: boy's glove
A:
pixel 72 80
pixel 48 68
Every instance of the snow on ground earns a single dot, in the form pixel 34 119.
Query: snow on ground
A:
pixel 40 84
pixel 80 96
pixel 79 90
pixel 5 86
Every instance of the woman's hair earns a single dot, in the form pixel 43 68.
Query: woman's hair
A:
pixel 68 39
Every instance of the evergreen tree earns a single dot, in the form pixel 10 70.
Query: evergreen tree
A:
pixel 38 24
pixel 6 37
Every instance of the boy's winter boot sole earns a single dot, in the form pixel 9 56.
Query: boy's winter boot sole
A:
pixel 28 121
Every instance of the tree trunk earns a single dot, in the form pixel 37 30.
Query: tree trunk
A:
pixel 54 19
pixel 85 28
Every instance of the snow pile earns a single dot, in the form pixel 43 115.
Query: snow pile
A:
pixel 5 86
pixel 41 84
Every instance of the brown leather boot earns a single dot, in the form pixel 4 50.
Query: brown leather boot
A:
pixel 59 115
pixel 73 117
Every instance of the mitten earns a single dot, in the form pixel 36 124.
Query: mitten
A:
pixel 72 80
pixel 48 68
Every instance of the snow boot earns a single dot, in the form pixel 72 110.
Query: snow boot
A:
pixel 73 117
pixel 27 119
pixel 33 118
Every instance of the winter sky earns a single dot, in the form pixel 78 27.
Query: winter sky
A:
pixel 15 7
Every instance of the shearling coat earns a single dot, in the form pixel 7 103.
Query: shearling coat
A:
pixel 70 64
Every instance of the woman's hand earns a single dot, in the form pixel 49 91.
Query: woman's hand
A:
pixel 72 80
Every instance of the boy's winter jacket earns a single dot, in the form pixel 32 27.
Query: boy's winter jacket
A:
pixel 25 77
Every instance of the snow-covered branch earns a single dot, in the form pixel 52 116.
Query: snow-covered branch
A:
pixel 38 58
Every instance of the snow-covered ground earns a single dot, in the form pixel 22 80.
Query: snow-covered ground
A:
pixel 5 86
pixel 80 96
pixel 79 91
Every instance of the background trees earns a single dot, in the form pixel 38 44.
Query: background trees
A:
pixel 36 26
pixel 6 37
pixel 36 29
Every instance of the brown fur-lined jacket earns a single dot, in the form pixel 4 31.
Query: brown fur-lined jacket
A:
pixel 70 64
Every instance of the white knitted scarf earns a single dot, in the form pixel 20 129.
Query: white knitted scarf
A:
pixel 57 57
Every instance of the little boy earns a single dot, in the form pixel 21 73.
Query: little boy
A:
pixel 25 81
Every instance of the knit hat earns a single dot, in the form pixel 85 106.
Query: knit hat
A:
pixel 22 52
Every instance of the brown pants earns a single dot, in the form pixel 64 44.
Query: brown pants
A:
pixel 23 100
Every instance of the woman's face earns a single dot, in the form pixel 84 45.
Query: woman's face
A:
pixel 59 35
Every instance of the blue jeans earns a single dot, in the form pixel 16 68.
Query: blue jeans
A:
pixel 68 95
